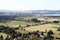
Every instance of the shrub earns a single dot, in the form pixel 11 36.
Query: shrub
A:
pixel 55 21
pixel 58 29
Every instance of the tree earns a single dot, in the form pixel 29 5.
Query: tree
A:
pixel 55 21
pixel 49 35
pixel 42 33
pixel 7 38
pixel 1 37
pixel 50 32
pixel 58 29
pixel 35 20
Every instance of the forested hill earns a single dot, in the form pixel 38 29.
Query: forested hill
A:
pixel 30 13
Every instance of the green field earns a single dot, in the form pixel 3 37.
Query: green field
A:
pixel 16 23
pixel 19 21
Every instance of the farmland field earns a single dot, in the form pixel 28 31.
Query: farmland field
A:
pixel 27 21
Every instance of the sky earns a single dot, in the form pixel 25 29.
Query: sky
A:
pixel 30 4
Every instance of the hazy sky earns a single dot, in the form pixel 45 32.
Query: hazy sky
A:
pixel 30 4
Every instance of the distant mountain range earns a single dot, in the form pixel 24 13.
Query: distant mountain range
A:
pixel 30 13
